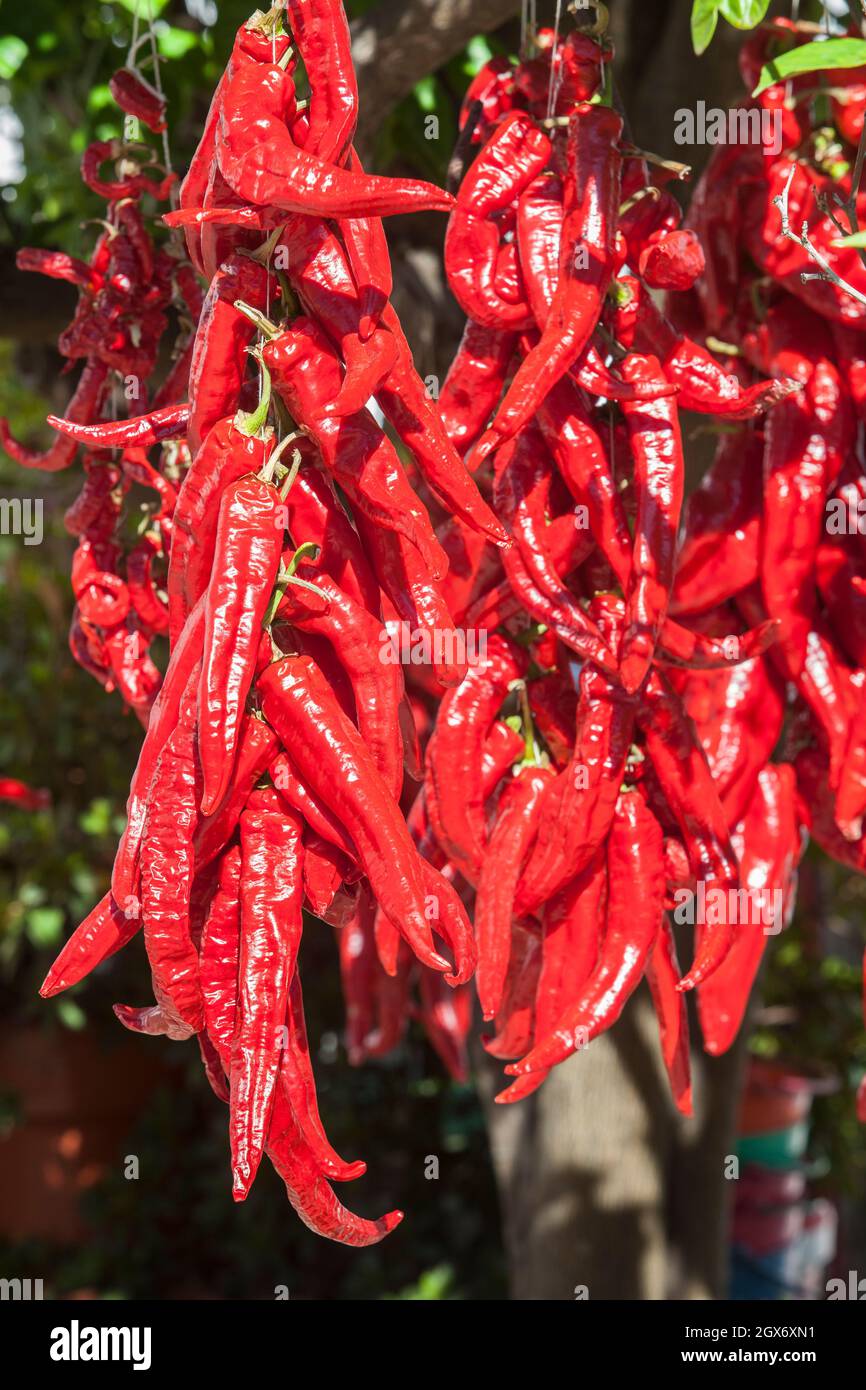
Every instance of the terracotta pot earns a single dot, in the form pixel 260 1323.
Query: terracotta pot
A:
pixel 76 1102
pixel 779 1095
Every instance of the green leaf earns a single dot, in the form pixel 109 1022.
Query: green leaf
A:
pixel 99 97
pixel 13 51
pixel 822 56
pixel 857 240
pixel 175 43
pixel 133 6
pixel 744 14
pixel 71 1015
pixel 425 93
pixel 705 17
pixel 96 820
pixel 478 52
pixel 44 926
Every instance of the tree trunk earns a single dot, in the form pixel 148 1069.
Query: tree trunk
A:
pixel 606 1192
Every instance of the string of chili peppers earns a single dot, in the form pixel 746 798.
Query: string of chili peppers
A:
pixel 665 701
pixel 126 289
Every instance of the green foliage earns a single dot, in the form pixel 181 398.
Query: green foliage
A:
pixel 742 14
pixel 813 987
pixel 823 56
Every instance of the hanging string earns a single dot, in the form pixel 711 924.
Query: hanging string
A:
pixel 157 82
pixel 555 63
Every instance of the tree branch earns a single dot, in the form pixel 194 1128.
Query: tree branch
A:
pixel 401 41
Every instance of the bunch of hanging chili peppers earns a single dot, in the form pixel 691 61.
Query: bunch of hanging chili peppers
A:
pixel 126 289
pixel 663 699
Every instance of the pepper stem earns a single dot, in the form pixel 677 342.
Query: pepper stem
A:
pixel 287 576
pixel 262 323
pixel 531 751
pixel 307 549
pixel 251 423
pixel 269 469
pixel 291 475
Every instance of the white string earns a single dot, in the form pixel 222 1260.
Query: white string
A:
pixel 157 82
pixel 554 60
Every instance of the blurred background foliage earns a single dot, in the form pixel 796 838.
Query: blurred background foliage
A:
pixel 175 1232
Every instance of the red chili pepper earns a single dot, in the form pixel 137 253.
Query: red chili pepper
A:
pixel 317 816
pixel 84 405
pixel 358 640
pixel 553 704
pixel 516 1020
pixel 166 869
pixel 583 462
pixel 223 335
pixel 321 275
pixel 370 261
pixel 417 600
pixel 21 795
pixel 579 805
pixel 102 596
pixel 314 514
pixel 151 608
pixel 305 372
pixel 636 890
pixel 271 924
pixel 321 33
pixel 705 386
pixel 163 721
pixel 135 675
pixel 170 422
pixel 308 1190
pixel 455 748
pixel 738 715
pixel 681 766
pixel 407 405
pixel 226 457
pixel 296 1076
pixel 514 829
pixel 769 844
pixel 138 98
pixel 104 931
pixel 719 554
pixel 572 931
pixel 99 482
pixel 132 185
pixel 672 261
pixel 446 1017
pixel 515 154
pixel 249 542
pixel 663 973
pixel 521 494
pixel 219 953
pixel 591 197
pixel 471 390
pixel 570 624
pixel 659 473
pixel 332 758
pixel 58 266
pixel 257 748
pixel 260 162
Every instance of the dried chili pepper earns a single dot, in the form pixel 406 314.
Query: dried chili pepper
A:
pixel 513 830
pixel 271 923
pixel 246 559
pixel 333 759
